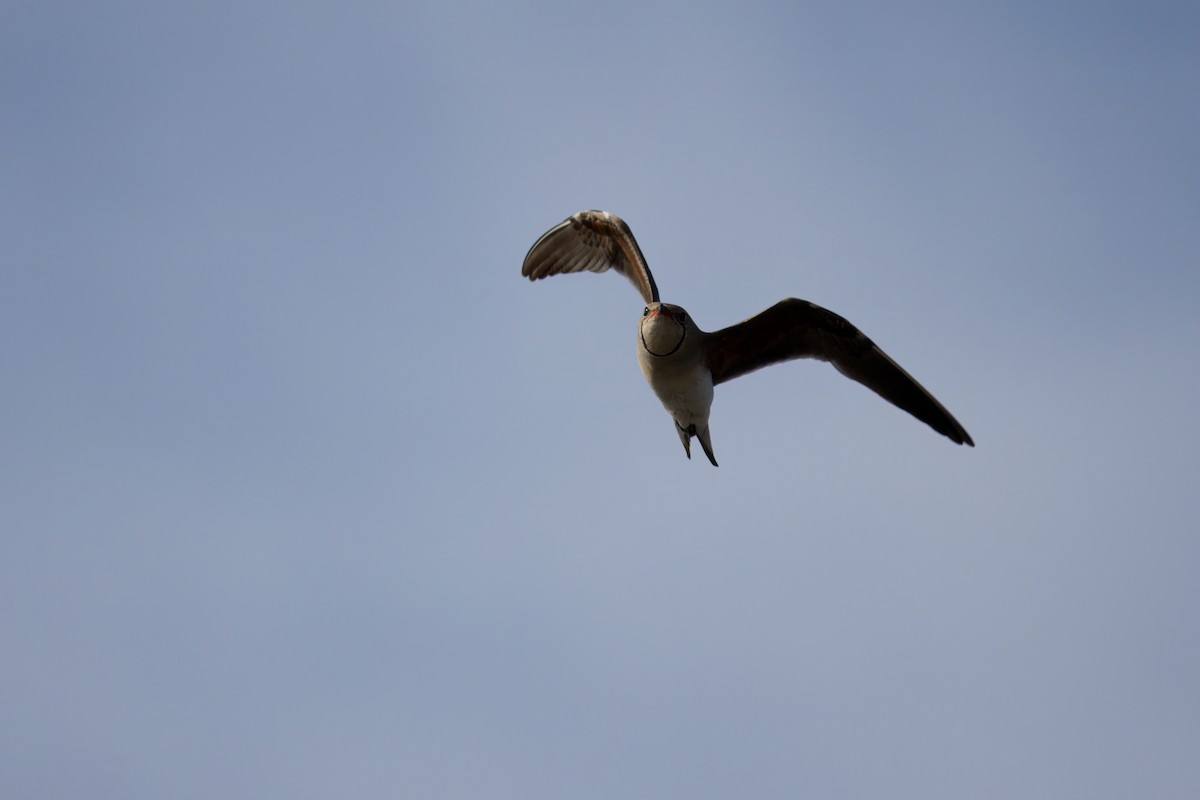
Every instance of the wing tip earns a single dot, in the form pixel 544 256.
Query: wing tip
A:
pixel 958 434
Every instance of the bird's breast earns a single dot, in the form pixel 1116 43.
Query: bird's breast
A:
pixel 682 383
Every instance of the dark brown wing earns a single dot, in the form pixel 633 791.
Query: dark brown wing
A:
pixel 798 329
pixel 594 241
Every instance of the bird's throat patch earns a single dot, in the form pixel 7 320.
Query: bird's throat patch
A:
pixel 651 351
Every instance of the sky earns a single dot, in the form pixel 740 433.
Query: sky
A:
pixel 305 491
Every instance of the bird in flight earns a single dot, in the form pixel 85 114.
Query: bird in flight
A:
pixel 682 363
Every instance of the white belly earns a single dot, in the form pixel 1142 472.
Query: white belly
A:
pixel 686 392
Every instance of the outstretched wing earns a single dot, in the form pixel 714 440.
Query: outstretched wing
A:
pixel 798 329
pixel 590 240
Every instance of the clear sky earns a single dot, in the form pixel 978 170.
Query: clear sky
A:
pixel 305 492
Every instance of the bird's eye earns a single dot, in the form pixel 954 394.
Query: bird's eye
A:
pixel 682 317
pixel 646 311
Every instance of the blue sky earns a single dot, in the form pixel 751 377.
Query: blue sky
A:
pixel 306 491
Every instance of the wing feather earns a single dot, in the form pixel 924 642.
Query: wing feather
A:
pixel 798 329
pixel 593 241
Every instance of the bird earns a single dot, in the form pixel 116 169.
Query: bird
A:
pixel 682 363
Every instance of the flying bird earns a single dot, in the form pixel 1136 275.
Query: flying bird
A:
pixel 682 363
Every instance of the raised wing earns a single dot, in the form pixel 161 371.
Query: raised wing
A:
pixel 798 329
pixel 590 240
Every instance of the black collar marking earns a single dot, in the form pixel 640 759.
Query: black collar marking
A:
pixel 678 344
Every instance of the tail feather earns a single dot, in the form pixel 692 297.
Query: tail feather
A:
pixel 706 443
pixel 685 436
